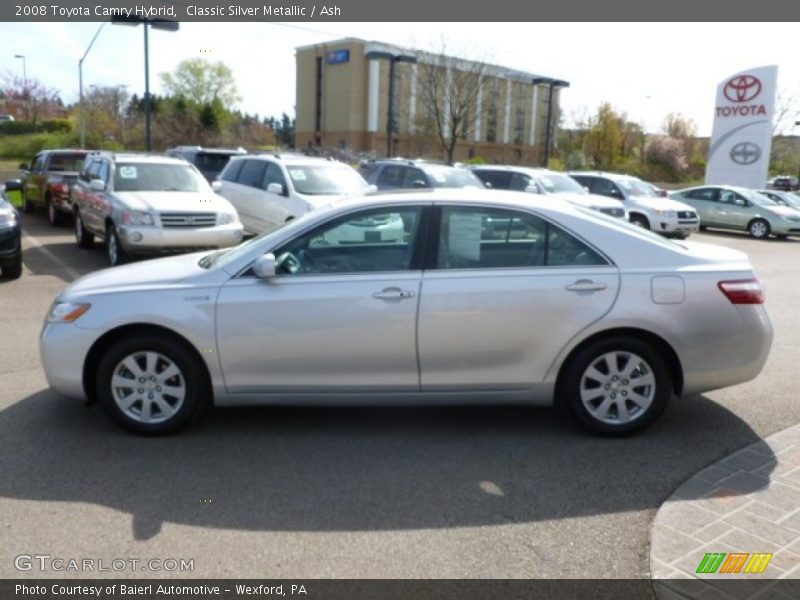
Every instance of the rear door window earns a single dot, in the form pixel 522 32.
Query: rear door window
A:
pixel 252 173
pixel 390 177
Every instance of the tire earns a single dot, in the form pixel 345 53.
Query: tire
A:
pixel 758 229
pixel 116 253
pixel 640 221
pixel 161 405
pixel 703 227
pixel 83 237
pixel 781 236
pixel 588 383
pixel 53 214
pixel 27 206
pixel 14 270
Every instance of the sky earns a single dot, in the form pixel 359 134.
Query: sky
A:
pixel 646 70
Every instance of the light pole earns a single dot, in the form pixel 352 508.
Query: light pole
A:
pixel 24 81
pixel 158 24
pixel 393 59
pixel 552 83
pixel 80 85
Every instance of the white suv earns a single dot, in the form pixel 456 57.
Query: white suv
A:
pixel 270 189
pixel 645 207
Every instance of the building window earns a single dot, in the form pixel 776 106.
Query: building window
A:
pixel 519 115
pixel 491 112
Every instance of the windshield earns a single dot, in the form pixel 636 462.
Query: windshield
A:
pixel 66 162
pixel 789 198
pixel 327 179
pixel 155 177
pixel 758 199
pixel 637 187
pixel 452 177
pixel 555 183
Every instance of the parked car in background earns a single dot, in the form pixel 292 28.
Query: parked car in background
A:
pixel 209 161
pixel 10 237
pixel 783 198
pixel 740 209
pixel 544 181
pixel 645 207
pixel 145 204
pixel 48 180
pixel 573 308
pixel 6 117
pixel 401 173
pixel 268 190
pixel 784 182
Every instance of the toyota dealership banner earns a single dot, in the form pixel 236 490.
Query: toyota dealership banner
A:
pixel 742 135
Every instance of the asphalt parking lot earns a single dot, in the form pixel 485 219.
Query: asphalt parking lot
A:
pixel 395 493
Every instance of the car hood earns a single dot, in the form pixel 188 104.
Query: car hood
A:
pixel 175 201
pixel 157 273
pixel 590 200
pixel 660 203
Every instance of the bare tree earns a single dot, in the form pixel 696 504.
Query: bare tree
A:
pixel 448 89
pixel 34 97
pixel 786 112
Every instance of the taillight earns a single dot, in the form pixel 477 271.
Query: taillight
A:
pixel 743 291
pixel 60 188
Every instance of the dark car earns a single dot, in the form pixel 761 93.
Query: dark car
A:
pixel 785 183
pixel 10 237
pixel 46 182
pixel 209 161
pixel 395 174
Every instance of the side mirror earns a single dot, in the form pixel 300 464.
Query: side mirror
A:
pixel 275 188
pixel 264 267
pixel 24 166
pixel 13 185
pixel 216 186
pixel 419 184
pixel 97 185
pixel 532 189
pixel 372 189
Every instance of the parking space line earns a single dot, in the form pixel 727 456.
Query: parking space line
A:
pixel 72 273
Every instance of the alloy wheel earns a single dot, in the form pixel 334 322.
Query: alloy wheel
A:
pixel 148 387
pixel 617 388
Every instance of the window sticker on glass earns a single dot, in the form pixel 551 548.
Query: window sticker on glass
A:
pixel 297 174
pixel 127 172
pixel 464 240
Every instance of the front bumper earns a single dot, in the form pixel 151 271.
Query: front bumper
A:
pixel 10 241
pixel 63 348
pixel 785 228
pixel 674 225
pixel 137 239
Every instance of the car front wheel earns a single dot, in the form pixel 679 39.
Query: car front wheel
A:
pixel 152 384
pixel 616 386
pixel 116 253
pixel 640 221
pixel 758 229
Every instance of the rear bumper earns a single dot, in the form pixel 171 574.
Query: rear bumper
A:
pixel 156 239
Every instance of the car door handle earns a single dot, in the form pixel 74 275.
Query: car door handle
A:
pixel 586 285
pixel 393 293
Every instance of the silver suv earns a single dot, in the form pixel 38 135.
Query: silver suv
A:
pixel 146 204
pixel 270 189
pixel 645 207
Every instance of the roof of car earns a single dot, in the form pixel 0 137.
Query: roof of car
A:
pixel 520 168
pixel 287 158
pixel 140 157
pixel 603 174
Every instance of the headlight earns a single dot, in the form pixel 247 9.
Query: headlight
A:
pixel 669 214
pixel 136 217
pixel 7 217
pixel 225 218
pixel 66 312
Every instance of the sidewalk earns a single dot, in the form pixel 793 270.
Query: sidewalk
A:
pixel 747 503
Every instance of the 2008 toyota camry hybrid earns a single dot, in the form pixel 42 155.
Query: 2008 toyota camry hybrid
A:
pixel 485 297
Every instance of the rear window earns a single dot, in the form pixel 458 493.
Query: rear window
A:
pixel 211 162
pixel 66 162
pixel 452 177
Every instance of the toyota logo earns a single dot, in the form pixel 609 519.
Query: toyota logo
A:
pixel 742 88
pixel 745 153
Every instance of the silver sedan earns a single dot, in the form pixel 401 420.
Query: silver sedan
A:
pixel 560 305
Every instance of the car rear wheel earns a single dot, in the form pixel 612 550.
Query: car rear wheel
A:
pixel 116 253
pixel 83 236
pixel 12 270
pixel 152 384
pixel 616 386
pixel 640 221
pixel 758 229
pixel 53 215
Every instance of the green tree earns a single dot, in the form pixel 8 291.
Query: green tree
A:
pixel 202 82
pixel 604 139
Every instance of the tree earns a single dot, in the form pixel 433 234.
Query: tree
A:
pixel 448 90
pixel 604 139
pixel 283 128
pixel 668 153
pixel 32 95
pixel 203 82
